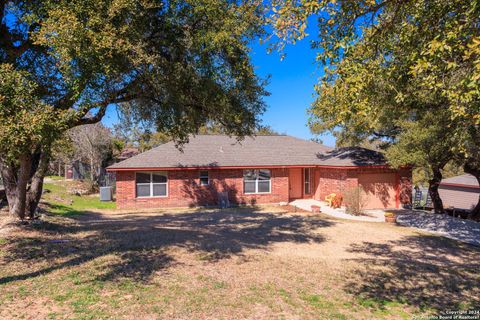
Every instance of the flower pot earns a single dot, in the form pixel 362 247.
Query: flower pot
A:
pixel 391 219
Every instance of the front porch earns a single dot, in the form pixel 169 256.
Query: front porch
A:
pixel 372 215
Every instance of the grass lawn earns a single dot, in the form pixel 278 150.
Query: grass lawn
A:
pixel 255 263
pixel 58 200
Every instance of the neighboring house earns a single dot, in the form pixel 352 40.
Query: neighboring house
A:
pixel 264 169
pixel 78 170
pixel 460 192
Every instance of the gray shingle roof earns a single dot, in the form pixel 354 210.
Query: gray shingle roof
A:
pixel 464 179
pixel 224 151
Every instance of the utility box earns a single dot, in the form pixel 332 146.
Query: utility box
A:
pixel 106 193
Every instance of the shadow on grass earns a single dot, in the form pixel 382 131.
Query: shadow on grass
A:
pixel 427 272
pixel 63 210
pixel 139 241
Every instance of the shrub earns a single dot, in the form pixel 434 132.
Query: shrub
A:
pixel 355 200
pixel 92 186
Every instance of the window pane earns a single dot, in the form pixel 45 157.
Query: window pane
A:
pixel 159 177
pixel 264 174
pixel 307 174
pixel 143 177
pixel 263 186
pixel 159 189
pixel 307 187
pixel 249 186
pixel 143 190
pixel 203 178
pixel 249 174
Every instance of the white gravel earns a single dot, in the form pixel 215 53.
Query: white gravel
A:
pixel 467 231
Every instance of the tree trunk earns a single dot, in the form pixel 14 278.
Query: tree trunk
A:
pixel 92 177
pixel 36 184
pixel 475 213
pixel 15 181
pixel 433 190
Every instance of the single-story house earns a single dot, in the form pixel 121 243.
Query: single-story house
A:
pixel 461 192
pixel 261 169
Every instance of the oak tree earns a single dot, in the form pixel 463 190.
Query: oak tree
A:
pixel 64 62
pixel 404 72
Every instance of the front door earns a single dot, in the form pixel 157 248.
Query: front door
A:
pixel 295 183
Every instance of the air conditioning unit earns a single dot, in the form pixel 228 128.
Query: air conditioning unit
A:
pixel 106 193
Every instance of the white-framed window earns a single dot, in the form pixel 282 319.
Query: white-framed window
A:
pixel 204 181
pixel 256 181
pixel 151 184
pixel 307 178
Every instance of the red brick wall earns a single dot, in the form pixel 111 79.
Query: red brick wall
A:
pixel 184 190
pixel 333 180
pixel 339 180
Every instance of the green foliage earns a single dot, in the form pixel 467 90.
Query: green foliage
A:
pixel 148 140
pixel 423 142
pixel 266 130
pixel 405 73
pixel 177 63
pixel 215 128
pixel 25 121
pixel 421 175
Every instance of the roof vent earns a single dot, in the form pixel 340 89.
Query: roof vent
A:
pixel 221 149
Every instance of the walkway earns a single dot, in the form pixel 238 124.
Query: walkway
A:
pixel 371 215
pixel 467 231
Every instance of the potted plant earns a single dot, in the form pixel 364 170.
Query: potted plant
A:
pixel 390 217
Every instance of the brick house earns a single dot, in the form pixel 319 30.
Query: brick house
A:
pixel 263 169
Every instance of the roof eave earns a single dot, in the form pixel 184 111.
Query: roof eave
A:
pixel 110 169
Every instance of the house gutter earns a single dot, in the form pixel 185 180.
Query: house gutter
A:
pixel 460 185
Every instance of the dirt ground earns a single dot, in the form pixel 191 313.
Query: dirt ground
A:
pixel 243 263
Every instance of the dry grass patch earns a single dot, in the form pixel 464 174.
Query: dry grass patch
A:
pixel 256 263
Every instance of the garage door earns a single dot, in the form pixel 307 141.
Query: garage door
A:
pixel 379 189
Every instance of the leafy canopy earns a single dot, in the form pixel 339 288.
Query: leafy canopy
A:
pixel 25 120
pixel 177 63
pixel 390 64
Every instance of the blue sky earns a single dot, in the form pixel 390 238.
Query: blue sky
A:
pixel 291 89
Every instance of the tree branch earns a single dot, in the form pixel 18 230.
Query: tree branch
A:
pixel 102 109
pixel 96 118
